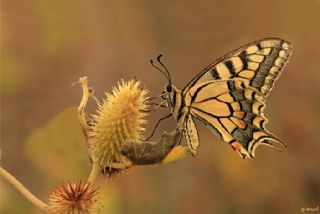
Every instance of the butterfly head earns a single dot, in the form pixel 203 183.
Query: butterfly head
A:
pixel 169 88
pixel 169 94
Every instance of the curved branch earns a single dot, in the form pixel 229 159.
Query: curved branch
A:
pixel 22 189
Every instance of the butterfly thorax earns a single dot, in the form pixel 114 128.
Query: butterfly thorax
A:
pixel 175 102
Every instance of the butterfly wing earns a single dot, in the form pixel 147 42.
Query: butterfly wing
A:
pixel 191 135
pixel 258 64
pixel 234 111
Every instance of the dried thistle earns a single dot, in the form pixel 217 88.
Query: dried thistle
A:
pixel 72 197
pixel 114 133
pixel 118 119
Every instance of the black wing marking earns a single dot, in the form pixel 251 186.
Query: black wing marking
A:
pixel 258 64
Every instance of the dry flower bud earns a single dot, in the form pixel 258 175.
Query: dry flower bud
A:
pixel 73 197
pixel 118 119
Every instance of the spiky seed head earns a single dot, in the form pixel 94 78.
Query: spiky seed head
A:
pixel 119 118
pixel 73 197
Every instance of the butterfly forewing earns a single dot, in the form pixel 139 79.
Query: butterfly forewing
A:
pixel 257 64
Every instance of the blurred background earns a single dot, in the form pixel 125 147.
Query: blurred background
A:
pixel 47 45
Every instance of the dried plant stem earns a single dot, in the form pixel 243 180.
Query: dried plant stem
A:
pixel 85 96
pixel 95 171
pixel 22 189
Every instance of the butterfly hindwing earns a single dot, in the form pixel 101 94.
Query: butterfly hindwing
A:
pixel 234 111
pixel 258 64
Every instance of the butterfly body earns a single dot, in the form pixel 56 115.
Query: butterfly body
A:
pixel 229 96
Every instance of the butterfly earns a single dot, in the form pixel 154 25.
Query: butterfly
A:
pixel 229 96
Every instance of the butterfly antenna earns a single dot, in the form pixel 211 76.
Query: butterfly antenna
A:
pixel 168 73
pixel 153 65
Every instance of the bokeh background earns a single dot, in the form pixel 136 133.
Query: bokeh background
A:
pixel 47 45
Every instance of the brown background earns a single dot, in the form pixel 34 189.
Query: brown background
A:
pixel 47 45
